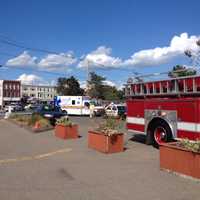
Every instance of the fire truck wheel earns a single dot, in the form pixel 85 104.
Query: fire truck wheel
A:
pixel 161 133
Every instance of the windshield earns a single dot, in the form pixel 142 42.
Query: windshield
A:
pixel 121 107
pixel 48 108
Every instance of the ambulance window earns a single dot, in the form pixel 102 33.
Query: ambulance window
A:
pixel 78 102
pixel 73 102
pixel 87 104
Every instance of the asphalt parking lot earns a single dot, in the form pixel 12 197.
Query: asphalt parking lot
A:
pixel 67 169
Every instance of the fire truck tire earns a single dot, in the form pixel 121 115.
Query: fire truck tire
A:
pixel 160 133
pixel 149 138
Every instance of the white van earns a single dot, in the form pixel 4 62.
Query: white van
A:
pixel 116 110
pixel 74 105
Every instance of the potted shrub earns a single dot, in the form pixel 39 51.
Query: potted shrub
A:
pixel 65 129
pixel 107 137
pixel 181 157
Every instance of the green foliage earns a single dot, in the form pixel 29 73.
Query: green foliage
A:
pixel 69 86
pixel 190 145
pixel 111 93
pixel 95 86
pixel 33 119
pixel 44 122
pixel 64 121
pixel 30 120
pixel 180 71
pixel 110 126
pixel 97 89
pixel 20 118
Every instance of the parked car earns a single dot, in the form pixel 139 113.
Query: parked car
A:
pixel 18 108
pixel 99 110
pixel 14 108
pixel 116 110
pixel 50 112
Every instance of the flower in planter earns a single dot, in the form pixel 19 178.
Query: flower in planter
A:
pixel 64 121
pixel 190 145
pixel 65 129
pixel 110 126
pixel 107 137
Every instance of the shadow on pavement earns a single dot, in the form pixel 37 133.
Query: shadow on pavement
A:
pixel 138 138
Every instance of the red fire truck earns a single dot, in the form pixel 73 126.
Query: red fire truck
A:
pixel 164 110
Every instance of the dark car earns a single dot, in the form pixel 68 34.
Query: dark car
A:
pixel 50 112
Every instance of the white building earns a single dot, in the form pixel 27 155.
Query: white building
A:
pixel 39 92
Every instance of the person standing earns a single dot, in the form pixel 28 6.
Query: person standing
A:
pixel 91 110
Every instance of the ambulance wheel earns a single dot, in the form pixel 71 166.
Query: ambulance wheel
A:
pixel 161 133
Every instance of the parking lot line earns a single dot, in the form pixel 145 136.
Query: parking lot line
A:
pixel 37 157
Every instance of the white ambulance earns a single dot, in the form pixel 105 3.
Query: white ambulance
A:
pixel 74 105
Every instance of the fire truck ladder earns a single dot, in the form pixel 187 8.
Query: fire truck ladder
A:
pixel 182 86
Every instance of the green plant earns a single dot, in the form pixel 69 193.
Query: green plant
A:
pixel 64 121
pixel 110 126
pixel 190 145
pixel 44 122
pixel 20 118
pixel 34 118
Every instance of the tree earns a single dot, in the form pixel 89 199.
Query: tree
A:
pixel 111 93
pixel 194 55
pixel 180 70
pixel 69 86
pixel 95 85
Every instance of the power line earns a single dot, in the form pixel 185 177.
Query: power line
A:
pixel 8 41
pixel 26 48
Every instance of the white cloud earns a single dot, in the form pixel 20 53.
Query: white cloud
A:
pixel 83 84
pixel 160 55
pixel 31 79
pixel 59 62
pixel 110 83
pixel 51 62
pixel 25 59
pixel 100 58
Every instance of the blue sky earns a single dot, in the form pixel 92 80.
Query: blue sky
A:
pixel 110 35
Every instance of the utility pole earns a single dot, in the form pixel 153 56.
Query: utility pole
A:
pixel 88 75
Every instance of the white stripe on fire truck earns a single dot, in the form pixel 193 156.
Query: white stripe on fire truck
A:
pixel 189 126
pixel 135 120
pixel 184 126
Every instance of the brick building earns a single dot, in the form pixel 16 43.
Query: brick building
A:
pixel 10 92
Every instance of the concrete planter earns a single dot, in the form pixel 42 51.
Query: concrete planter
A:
pixel 106 143
pixel 180 160
pixel 66 132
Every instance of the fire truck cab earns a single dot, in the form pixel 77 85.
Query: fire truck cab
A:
pixel 164 110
